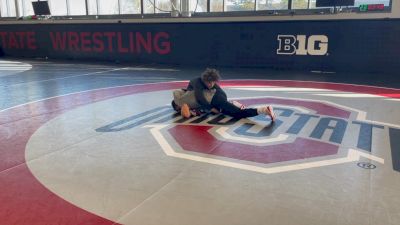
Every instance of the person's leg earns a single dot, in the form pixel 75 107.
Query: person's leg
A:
pixel 185 102
pixel 234 111
pixel 185 97
pixel 177 94
pixel 230 109
pixel 175 106
pixel 238 104
pixel 267 110
pixel 176 102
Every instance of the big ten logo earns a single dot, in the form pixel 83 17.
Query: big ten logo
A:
pixel 302 45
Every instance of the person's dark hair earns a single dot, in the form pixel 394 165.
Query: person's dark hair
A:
pixel 210 75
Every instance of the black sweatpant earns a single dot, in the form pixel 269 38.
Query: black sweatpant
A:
pixel 221 102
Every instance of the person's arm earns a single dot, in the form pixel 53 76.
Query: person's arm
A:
pixel 220 90
pixel 199 88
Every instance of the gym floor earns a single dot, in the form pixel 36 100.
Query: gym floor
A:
pixel 98 143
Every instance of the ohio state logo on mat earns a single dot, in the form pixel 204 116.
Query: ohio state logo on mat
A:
pixel 307 134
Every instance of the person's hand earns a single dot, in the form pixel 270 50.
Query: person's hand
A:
pixel 215 110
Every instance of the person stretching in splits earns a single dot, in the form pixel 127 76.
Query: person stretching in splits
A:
pixel 204 93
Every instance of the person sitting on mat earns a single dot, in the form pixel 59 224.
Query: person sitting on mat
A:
pixel 204 93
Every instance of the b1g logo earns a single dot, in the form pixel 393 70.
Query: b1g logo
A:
pixel 302 45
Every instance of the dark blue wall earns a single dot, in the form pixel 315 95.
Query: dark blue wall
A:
pixel 353 45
